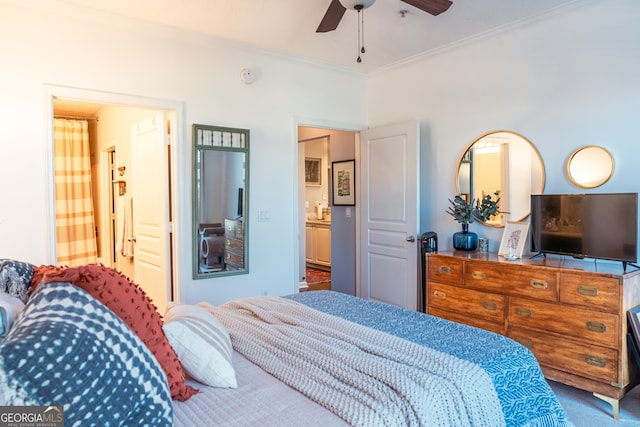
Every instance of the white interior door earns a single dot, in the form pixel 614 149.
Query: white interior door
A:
pixel 151 208
pixel 389 177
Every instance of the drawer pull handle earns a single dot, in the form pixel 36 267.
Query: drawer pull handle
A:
pixel 590 291
pixel 443 269
pixel 597 327
pixel 479 275
pixel 600 362
pixel 525 342
pixel 490 305
pixel 523 312
pixel 538 284
pixel 439 294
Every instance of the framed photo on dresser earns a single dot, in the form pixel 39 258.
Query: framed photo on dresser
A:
pixel 513 239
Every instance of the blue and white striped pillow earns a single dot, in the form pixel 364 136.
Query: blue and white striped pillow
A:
pixel 66 348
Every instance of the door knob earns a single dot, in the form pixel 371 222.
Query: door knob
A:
pixel 132 239
pixel 411 239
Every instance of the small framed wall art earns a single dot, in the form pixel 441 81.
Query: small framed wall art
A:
pixel 343 189
pixel 312 171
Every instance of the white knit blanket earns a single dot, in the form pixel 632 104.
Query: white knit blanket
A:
pixel 366 377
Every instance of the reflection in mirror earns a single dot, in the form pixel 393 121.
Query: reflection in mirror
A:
pixel 590 166
pixel 220 201
pixel 506 162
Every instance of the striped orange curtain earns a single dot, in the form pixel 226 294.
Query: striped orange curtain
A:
pixel 75 224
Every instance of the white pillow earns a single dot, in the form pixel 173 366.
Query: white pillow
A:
pixel 10 307
pixel 202 344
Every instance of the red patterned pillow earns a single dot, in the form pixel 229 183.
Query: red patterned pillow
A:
pixel 133 306
pixel 40 272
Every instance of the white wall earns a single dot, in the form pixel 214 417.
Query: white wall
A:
pixel 52 43
pixel 562 82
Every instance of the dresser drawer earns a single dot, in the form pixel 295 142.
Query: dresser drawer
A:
pixel 512 279
pixel 478 322
pixel 591 291
pixel 444 269
pixel 591 326
pixel 232 243
pixel 233 228
pixel 583 359
pixel 471 303
pixel 234 259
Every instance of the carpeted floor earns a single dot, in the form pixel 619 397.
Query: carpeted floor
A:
pixel 586 410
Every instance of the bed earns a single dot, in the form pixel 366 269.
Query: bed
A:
pixel 314 359
pixel 525 398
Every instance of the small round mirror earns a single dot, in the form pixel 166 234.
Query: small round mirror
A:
pixel 506 162
pixel 590 166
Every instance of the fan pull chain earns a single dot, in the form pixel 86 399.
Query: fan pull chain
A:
pixel 362 20
pixel 360 10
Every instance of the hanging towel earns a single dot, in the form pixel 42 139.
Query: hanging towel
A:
pixel 120 223
pixel 128 242
pixel 124 223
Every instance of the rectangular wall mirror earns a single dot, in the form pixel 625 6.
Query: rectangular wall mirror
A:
pixel 220 201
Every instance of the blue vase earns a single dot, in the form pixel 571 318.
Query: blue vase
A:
pixel 465 240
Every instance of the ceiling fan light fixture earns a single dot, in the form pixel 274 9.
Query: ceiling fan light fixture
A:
pixel 356 4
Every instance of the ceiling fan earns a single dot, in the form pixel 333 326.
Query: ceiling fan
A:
pixel 337 8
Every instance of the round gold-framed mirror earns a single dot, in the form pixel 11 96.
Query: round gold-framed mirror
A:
pixel 501 161
pixel 590 166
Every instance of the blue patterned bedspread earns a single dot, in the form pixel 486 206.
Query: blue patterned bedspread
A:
pixel 525 396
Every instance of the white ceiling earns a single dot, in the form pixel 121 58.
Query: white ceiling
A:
pixel 288 26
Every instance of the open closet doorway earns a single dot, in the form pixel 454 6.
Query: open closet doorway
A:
pixel 126 143
pixel 327 233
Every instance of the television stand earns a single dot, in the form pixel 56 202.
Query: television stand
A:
pixel 571 314
pixel 625 263
pixel 538 255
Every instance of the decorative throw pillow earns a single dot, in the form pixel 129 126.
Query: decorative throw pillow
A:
pixel 128 301
pixel 40 272
pixel 10 307
pixel 201 343
pixel 68 349
pixel 15 278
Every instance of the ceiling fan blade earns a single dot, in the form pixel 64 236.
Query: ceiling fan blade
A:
pixel 434 7
pixel 332 17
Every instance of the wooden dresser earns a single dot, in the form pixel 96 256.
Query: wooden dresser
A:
pixel 570 313
pixel 233 244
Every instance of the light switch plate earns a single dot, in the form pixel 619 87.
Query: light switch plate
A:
pixel 264 216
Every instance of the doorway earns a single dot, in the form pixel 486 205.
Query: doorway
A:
pixel 115 114
pixel 317 212
pixel 326 253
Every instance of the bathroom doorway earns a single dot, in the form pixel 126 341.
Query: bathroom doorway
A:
pixel 112 170
pixel 317 211
pixel 326 241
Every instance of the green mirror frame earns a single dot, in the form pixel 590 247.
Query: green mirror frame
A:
pixel 220 201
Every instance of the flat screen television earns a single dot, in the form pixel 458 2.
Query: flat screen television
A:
pixel 240 202
pixel 601 226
